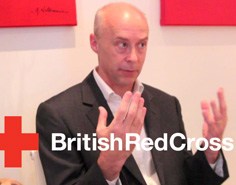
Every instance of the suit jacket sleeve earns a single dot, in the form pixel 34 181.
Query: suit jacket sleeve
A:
pixel 199 172
pixel 68 167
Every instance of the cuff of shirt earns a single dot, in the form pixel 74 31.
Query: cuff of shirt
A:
pixel 116 181
pixel 218 166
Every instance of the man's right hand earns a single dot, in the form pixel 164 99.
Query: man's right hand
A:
pixel 128 119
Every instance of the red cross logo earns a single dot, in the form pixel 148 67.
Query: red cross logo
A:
pixel 13 141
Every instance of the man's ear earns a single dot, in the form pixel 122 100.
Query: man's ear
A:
pixel 93 43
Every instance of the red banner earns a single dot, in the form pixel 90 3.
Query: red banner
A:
pixel 37 13
pixel 198 12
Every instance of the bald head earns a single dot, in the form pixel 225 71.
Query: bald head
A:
pixel 114 14
pixel 120 41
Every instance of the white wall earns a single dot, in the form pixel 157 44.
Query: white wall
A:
pixel 189 62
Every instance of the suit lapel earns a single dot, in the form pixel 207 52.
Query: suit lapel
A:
pixel 132 166
pixel 93 97
pixel 153 130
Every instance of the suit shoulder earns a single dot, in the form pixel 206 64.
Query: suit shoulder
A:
pixel 66 97
pixel 156 92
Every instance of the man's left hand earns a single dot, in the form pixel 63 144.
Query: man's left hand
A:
pixel 215 121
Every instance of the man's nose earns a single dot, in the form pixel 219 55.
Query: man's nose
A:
pixel 132 57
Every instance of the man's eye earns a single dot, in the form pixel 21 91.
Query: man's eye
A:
pixel 142 45
pixel 123 45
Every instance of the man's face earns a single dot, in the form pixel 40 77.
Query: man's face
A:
pixel 121 49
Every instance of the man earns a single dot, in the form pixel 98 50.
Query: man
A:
pixel 112 101
pixel 6 181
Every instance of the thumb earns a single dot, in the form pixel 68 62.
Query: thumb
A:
pixel 102 118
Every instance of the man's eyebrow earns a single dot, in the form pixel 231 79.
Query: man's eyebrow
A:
pixel 144 39
pixel 122 38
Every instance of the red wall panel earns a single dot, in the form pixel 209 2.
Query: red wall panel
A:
pixel 198 12
pixel 37 13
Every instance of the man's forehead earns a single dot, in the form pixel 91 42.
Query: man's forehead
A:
pixel 120 33
pixel 129 17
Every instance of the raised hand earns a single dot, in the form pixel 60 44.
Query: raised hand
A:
pixel 128 119
pixel 215 121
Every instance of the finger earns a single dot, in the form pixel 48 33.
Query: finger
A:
pixel 222 102
pixel 133 108
pixel 204 105
pixel 205 130
pixel 139 118
pixel 138 127
pixel 124 106
pixel 215 111
pixel 102 118
pixel 144 113
pixel 206 113
pixel 142 118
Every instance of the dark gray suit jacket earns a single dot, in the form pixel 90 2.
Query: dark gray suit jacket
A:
pixel 76 111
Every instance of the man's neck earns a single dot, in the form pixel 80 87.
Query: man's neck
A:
pixel 120 90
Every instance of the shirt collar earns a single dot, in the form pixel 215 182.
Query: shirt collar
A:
pixel 106 89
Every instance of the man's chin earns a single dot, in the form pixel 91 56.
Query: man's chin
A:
pixel 127 81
